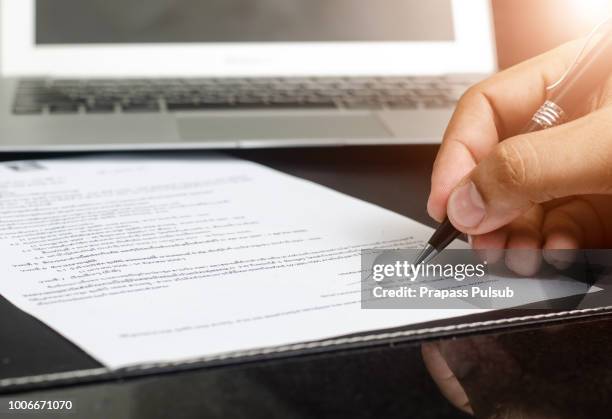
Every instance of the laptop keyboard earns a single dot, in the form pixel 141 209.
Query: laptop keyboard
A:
pixel 63 96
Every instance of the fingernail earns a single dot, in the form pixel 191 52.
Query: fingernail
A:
pixel 466 206
pixel 525 262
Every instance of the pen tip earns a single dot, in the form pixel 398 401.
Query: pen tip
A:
pixel 419 259
pixel 425 254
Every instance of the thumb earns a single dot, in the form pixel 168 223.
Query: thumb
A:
pixel 572 159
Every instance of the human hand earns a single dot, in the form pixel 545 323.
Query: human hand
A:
pixel 547 190
pixel 466 370
pixel 552 371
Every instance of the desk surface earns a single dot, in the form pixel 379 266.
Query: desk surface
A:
pixel 554 371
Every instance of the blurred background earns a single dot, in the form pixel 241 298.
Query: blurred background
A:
pixel 525 28
pixel 350 38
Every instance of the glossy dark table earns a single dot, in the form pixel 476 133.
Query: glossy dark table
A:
pixel 560 370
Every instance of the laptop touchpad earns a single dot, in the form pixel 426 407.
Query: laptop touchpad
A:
pixel 266 126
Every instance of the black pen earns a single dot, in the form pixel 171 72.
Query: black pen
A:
pixel 583 77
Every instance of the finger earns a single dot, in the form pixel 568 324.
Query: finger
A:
pixel 524 255
pixel 445 379
pixel 489 112
pixel 571 159
pixel 571 226
pixel 491 246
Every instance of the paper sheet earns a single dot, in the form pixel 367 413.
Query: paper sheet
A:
pixel 145 260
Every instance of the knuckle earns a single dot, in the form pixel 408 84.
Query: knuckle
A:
pixel 482 88
pixel 471 93
pixel 509 166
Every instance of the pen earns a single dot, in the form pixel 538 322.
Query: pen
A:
pixel 581 79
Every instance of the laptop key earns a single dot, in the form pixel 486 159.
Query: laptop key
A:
pixel 66 107
pixel 319 103
pixel 365 105
pixel 27 110
pixel 245 101
pixel 196 106
pixel 402 104
pixel 439 103
pixel 100 108
pixel 140 107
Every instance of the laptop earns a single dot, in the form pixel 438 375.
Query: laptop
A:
pixel 160 74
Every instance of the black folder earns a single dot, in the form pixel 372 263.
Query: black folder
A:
pixel 33 356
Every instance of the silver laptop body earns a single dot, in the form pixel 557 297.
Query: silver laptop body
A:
pixel 119 74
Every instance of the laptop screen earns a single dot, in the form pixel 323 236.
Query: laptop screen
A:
pixel 239 21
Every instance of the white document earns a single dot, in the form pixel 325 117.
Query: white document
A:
pixel 151 260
